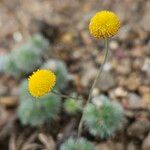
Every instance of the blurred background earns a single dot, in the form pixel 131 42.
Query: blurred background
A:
pixel 54 34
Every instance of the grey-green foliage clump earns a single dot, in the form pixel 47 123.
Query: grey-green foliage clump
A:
pixel 104 117
pixel 36 111
pixel 23 91
pixel 73 106
pixel 26 58
pixel 77 144
pixel 10 66
pixel 2 63
pixel 60 69
pixel 40 44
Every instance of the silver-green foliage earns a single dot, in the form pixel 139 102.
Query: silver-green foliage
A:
pixel 39 43
pixel 77 144
pixel 26 58
pixel 60 69
pixel 23 91
pixel 73 106
pixel 10 66
pixel 103 119
pixel 2 63
pixel 36 111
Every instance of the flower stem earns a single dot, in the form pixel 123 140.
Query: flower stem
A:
pixel 65 96
pixel 93 85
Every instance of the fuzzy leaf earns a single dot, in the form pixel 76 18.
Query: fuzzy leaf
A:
pixel 103 120
pixel 79 144
pixel 60 69
pixel 36 111
pixel 72 106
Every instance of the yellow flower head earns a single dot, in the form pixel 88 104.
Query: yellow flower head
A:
pixel 41 82
pixel 104 24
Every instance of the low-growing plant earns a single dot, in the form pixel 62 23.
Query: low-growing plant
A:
pixel 10 67
pixel 77 144
pixel 73 106
pixel 104 118
pixel 35 111
pixel 103 25
pixel 2 63
pixel 26 58
pixel 40 44
pixel 23 91
pixel 60 70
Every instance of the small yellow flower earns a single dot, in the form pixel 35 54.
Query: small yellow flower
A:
pixel 41 82
pixel 104 24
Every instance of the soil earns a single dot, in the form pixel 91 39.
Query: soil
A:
pixel 126 74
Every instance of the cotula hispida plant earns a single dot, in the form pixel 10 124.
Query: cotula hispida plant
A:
pixel 61 71
pixel 103 25
pixel 103 116
pixel 40 88
pixel 77 144
pixel 73 106
pixel 40 43
pixel 10 66
pixel 102 119
pixel 35 111
pixel 27 58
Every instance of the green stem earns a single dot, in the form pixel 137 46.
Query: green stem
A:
pixel 65 96
pixel 93 85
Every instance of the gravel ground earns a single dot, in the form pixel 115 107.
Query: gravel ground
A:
pixel 126 76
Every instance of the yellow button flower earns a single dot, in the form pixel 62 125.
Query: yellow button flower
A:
pixel 104 24
pixel 41 82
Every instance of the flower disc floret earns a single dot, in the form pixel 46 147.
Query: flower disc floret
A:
pixel 41 82
pixel 104 24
